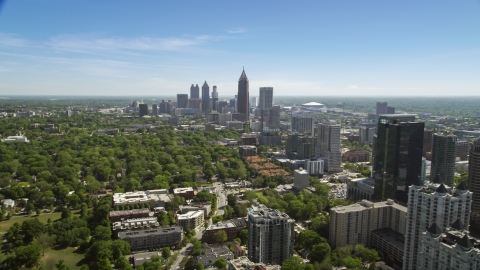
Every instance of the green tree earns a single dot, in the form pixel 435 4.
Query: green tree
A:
pixel 220 236
pixel 220 263
pixel 308 238
pixel 46 241
pixel 243 236
pixel 32 228
pixel 60 265
pixel 166 252
pixel 200 266
pixel 352 263
pixel 319 252
pixel 104 264
pixel 28 255
pixel 293 263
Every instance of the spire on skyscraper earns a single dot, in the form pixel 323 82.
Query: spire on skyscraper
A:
pixel 243 76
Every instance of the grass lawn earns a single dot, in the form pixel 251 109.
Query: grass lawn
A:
pixel 6 224
pixel 68 255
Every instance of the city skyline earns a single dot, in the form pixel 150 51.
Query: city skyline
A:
pixel 323 48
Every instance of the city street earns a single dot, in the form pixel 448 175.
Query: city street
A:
pixel 222 198
pixel 183 252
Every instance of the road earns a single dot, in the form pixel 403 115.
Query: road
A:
pixel 221 199
pixel 183 252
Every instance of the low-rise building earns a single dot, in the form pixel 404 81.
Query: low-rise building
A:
pixel 129 214
pixel 314 166
pixel 360 189
pixel 247 150
pixel 135 223
pixel 206 207
pixel 243 263
pixel 9 203
pixel 152 238
pixel 152 198
pixel 191 220
pixel 214 252
pixel 356 156
pixel 141 258
pixel 229 228
pixel 186 193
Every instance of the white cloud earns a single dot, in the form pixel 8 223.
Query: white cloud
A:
pixel 236 30
pixel 353 87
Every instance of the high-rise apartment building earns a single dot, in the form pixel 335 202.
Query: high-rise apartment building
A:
pixel 166 106
pixel 195 103
pixel 461 151
pixel 205 97
pixel 270 120
pixel 427 143
pixel 143 109
pixel 154 109
pixel 474 180
pixel 303 124
pixel 182 101
pixel 194 91
pixel 435 204
pixel 366 134
pixel 299 146
pixel 215 99
pixel 443 158
pixel 265 100
pixel 271 235
pixel 397 157
pixel 328 146
pixel 243 97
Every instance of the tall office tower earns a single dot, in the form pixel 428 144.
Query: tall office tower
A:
pixel 195 103
pixel 143 109
pixel 390 110
pixel 205 97
pixel 215 98
pixel 154 109
pixel 194 91
pixel 398 156
pixel 429 205
pixel 302 124
pixel 474 180
pixel 427 143
pixel 366 134
pixel 271 235
pixel 270 120
pixel 328 146
pixel 443 158
pixel 182 101
pixel 265 100
pixel 222 104
pixel 462 148
pixel 166 106
pixel 243 97
pixel 381 108
pixel 253 102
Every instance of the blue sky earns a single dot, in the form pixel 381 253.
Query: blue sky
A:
pixel 324 48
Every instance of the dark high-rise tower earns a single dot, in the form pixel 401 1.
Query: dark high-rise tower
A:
pixel 443 158
pixel 182 100
pixel 398 156
pixel 265 100
pixel 194 91
pixel 143 109
pixel 205 97
pixel 243 97
pixel 215 99
pixel 474 180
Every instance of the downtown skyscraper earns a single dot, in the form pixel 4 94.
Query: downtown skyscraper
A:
pixel 194 91
pixel 205 97
pixel 397 156
pixel 474 181
pixel 443 158
pixel 243 97
pixel 265 100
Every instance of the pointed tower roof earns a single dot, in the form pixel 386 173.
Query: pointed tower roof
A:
pixel 243 77
pixel 436 180
pixel 205 84
pixel 465 242
pixel 458 225
pixel 442 189
pixel 462 186
pixel 434 229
